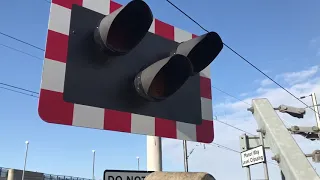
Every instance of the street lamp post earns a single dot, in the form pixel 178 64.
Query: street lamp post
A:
pixel 314 107
pixel 138 159
pixel 93 162
pixel 25 159
pixel 186 156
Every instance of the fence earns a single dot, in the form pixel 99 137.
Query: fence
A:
pixel 4 176
pixel 59 177
pixel 3 173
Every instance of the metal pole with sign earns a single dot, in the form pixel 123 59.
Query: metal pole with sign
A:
pixel 316 108
pixel 265 166
pixel 245 146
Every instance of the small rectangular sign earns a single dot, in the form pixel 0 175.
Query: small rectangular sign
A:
pixel 125 175
pixel 253 156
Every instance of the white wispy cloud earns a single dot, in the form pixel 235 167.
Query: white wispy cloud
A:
pixel 225 164
pixel 266 82
pixel 300 76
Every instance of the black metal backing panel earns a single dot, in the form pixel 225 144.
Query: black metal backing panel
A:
pixel 94 79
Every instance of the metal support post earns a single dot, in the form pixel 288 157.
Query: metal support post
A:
pixel 138 159
pixel 282 176
pixel 244 145
pixel 185 156
pixel 315 108
pixel 265 166
pixel 154 153
pixel 292 161
pixel 93 162
pixel 25 160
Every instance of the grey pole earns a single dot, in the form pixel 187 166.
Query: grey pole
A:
pixel 185 155
pixel 265 166
pixel 25 159
pixel 248 172
pixel 138 159
pixel 315 108
pixel 93 162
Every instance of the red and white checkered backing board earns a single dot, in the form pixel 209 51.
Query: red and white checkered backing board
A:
pixel 53 109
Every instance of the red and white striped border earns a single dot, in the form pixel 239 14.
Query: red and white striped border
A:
pixel 53 109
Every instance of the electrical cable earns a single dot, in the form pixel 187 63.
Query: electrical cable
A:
pixel 234 127
pixel 8 89
pixel 243 58
pixel 16 87
pixel 230 95
pixel 23 52
pixel 24 42
pixel 230 149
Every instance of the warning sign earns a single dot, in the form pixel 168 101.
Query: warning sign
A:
pixel 253 156
pixel 125 175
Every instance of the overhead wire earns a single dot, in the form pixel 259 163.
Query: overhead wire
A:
pixel 16 87
pixel 8 89
pixel 243 58
pixel 224 92
pixel 224 148
pixel 24 42
pixel 23 52
pixel 233 150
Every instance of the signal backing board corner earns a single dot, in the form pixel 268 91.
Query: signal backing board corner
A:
pixel 59 105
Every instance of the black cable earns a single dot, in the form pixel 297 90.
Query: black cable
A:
pixel 230 95
pixel 24 42
pixel 230 149
pixel 224 147
pixel 16 87
pixel 19 92
pixel 23 52
pixel 243 58
pixel 234 127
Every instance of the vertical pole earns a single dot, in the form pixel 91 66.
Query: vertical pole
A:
pixel 316 108
pixel 248 172
pixel 246 147
pixel 185 155
pixel 138 160
pixel 25 159
pixel 282 176
pixel 154 153
pixel 265 166
pixel 93 162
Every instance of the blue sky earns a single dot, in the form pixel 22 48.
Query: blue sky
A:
pixel 277 36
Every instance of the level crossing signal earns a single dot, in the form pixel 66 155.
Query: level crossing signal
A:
pixel 117 68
